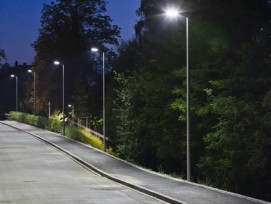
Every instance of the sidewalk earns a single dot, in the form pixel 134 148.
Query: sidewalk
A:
pixel 168 189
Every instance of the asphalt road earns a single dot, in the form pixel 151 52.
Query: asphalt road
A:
pixel 161 186
pixel 34 172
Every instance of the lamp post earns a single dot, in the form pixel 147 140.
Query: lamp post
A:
pixel 72 107
pixel 16 77
pixel 34 75
pixel 174 13
pixel 49 109
pixel 94 49
pixel 63 96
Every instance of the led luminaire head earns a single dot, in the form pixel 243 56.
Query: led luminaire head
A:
pixel 56 62
pixel 172 12
pixel 94 49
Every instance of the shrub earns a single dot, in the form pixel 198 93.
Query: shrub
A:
pixel 38 121
pixel 55 124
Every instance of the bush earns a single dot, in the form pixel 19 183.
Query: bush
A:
pixel 55 124
pixel 73 133
pixel 38 121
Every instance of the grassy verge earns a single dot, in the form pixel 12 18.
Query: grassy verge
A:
pixel 54 124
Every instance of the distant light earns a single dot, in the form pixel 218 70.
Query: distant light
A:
pixel 69 105
pixel 56 62
pixel 29 70
pixel 172 12
pixel 94 49
pixel 12 75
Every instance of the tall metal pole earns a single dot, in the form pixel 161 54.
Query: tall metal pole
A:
pixel 104 140
pixel 49 109
pixel 16 93
pixel 63 102
pixel 187 105
pixel 34 74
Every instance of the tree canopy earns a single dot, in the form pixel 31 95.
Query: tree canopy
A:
pixel 69 28
pixel 230 89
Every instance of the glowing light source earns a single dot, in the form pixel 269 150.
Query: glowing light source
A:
pixel 172 12
pixel 94 49
pixel 56 62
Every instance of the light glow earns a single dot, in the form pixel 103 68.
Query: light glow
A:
pixel 94 49
pixel 56 62
pixel 12 75
pixel 172 12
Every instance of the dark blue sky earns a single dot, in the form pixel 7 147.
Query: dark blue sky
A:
pixel 20 21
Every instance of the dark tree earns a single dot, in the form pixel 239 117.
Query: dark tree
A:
pixel 69 28
pixel 230 93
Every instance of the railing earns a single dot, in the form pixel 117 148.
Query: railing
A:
pixel 87 129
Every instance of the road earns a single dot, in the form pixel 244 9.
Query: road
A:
pixel 163 187
pixel 34 172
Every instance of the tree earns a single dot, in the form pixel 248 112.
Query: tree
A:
pixel 68 29
pixel 2 54
pixel 80 98
pixel 147 128
pixel 230 93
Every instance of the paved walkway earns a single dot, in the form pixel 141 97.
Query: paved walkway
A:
pixel 168 189
pixel 32 172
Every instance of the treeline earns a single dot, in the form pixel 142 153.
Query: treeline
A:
pixel 8 87
pixel 230 77
pixel 230 81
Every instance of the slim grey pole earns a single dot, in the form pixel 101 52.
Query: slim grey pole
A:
pixel 104 140
pixel 49 109
pixel 63 102
pixel 16 93
pixel 34 93
pixel 187 105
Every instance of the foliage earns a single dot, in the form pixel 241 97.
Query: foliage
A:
pixel 94 141
pixel 2 54
pixel 69 28
pixel 38 121
pixel 229 49
pixel 55 122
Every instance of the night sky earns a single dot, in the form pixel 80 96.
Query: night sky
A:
pixel 20 21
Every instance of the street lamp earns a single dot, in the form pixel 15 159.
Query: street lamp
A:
pixel 34 75
pixel 63 98
pixel 94 49
pixel 16 77
pixel 174 13
pixel 72 107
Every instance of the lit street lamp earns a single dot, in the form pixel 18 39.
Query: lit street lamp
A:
pixel 174 13
pixel 94 49
pixel 63 98
pixel 34 75
pixel 16 77
pixel 72 107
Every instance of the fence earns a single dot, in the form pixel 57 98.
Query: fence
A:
pixel 74 122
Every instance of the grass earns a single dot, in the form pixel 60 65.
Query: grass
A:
pixel 54 124
pixel 95 141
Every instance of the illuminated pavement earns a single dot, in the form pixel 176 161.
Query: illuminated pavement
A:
pixel 68 182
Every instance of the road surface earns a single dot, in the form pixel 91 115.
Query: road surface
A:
pixel 34 172
pixel 163 187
